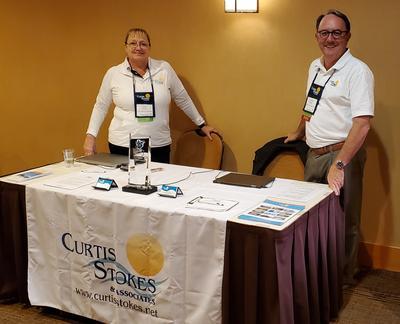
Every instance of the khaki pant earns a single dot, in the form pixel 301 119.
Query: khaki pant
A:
pixel 316 170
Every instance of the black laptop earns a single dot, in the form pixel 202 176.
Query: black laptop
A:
pixel 244 180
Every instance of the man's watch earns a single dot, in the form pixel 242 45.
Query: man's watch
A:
pixel 339 165
pixel 202 125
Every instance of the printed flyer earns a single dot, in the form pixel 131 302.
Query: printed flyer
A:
pixel 272 212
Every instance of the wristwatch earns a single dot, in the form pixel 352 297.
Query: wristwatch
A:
pixel 339 165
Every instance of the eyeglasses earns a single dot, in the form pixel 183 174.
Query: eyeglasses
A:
pixel 336 34
pixel 135 44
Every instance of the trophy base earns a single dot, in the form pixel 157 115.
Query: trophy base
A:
pixel 142 190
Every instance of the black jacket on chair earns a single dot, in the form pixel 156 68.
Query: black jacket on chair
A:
pixel 270 150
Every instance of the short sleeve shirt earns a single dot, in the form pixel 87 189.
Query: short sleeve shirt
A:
pixel 349 93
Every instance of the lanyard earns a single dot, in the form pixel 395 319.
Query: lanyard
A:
pixel 316 74
pixel 143 101
pixel 314 96
pixel 133 80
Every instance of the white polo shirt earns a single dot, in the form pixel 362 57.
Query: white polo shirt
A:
pixel 117 88
pixel 349 93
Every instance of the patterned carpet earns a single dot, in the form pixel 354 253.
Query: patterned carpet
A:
pixel 375 299
pixel 17 313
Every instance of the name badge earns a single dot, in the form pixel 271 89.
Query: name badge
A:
pixel 313 98
pixel 144 105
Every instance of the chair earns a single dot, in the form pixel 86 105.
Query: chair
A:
pixel 287 165
pixel 282 160
pixel 194 148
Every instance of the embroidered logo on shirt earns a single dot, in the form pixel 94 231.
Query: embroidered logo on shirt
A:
pixel 159 79
pixel 334 83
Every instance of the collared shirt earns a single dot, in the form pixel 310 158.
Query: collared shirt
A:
pixel 348 94
pixel 117 88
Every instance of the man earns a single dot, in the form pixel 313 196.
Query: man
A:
pixel 336 120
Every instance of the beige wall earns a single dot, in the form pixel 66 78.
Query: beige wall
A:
pixel 245 72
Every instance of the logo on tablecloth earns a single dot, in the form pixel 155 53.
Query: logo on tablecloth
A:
pixel 145 255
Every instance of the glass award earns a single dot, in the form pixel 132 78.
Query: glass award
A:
pixel 139 172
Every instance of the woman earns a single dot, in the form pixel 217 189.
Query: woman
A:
pixel 141 89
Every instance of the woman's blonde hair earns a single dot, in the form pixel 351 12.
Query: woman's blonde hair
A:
pixel 139 31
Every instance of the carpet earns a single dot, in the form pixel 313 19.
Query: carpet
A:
pixel 375 299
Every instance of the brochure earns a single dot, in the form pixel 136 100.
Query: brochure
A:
pixel 272 212
pixel 29 175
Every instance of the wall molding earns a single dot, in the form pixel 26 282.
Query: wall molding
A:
pixel 379 256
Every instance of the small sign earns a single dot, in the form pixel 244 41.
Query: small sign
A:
pixel 105 184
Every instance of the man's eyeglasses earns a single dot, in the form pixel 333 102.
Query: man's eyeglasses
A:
pixel 135 44
pixel 336 34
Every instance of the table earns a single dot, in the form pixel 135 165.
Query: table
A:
pixel 288 276
pixel 291 276
pixel 13 244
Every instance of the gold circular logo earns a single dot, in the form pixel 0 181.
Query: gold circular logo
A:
pixel 145 254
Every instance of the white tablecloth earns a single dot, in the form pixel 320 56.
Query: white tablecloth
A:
pixel 121 257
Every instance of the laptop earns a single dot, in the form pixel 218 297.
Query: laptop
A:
pixel 244 180
pixel 104 159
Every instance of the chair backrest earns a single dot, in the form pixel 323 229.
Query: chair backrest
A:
pixel 193 148
pixel 286 164
pixel 279 159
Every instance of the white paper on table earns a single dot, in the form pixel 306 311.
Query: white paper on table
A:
pixel 299 191
pixel 71 182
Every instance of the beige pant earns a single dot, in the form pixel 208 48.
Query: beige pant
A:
pixel 316 170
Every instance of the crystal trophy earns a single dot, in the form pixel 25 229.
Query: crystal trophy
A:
pixel 139 171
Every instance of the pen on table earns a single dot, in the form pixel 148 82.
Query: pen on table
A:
pixel 93 171
pixel 209 201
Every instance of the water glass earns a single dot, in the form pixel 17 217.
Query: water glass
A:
pixel 69 157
